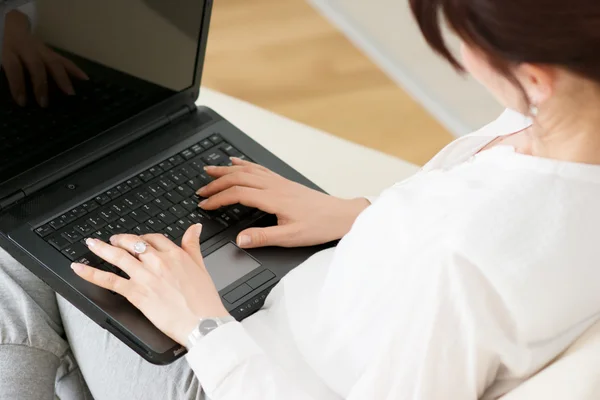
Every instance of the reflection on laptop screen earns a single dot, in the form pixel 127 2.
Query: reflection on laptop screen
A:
pixel 136 53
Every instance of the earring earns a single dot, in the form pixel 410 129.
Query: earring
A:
pixel 534 110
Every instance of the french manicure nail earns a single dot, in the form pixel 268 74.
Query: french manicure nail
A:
pixel 111 239
pixel 90 242
pixel 202 203
pixel 76 267
pixel 22 100
pixel 201 190
pixel 199 227
pixel 244 240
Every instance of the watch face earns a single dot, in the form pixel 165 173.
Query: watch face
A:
pixel 207 326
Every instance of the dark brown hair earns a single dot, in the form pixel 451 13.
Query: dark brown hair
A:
pixel 562 33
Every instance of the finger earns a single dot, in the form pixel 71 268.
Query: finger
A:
pixel 37 72
pixel 245 163
pixel 261 237
pixel 13 68
pixel 159 242
pixel 246 196
pixel 106 280
pixel 115 255
pixel 60 76
pixel 73 69
pixel 236 179
pixel 191 243
pixel 127 243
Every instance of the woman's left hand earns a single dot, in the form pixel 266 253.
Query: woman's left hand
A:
pixel 168 283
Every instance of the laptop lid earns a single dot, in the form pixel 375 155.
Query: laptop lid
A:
pixel 144 63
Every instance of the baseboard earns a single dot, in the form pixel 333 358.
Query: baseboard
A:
pixel 372 49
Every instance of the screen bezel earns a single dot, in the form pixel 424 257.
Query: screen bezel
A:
pixel 114 138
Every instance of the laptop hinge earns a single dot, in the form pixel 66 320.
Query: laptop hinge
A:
pixel 179 113
pixel 11 199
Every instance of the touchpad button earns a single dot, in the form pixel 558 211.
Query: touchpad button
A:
pixel 228 264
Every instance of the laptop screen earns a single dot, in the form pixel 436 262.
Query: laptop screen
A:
pixel 72 69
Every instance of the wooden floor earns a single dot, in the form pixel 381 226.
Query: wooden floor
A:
pixel 283 56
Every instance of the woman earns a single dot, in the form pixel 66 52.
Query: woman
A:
pixel 458 283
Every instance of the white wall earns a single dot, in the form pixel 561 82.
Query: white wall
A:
pixel 386 31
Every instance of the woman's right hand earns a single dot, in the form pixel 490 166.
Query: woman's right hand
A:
pixel 305 216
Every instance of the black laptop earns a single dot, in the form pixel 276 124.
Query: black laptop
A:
pixel 126 154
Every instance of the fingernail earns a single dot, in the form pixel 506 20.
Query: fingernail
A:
pixel 71 91
pixel 111 239
pixel 202 203
pixel 201 190
pixel 244 240
pixel 77 267
pixel 22 100
pixel 199 227
pixel 90 242
pixel 43 101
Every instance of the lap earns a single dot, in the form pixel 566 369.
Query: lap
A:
pixel 113 371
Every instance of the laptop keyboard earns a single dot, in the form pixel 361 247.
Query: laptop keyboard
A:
pixel 161 199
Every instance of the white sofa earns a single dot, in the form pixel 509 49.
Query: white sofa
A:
pixel 349 170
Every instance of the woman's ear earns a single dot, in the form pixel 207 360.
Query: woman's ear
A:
pixel 538 82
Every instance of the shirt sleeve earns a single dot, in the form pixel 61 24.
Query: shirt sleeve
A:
pixel 231 366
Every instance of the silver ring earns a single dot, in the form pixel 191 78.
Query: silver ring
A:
pixel 140 247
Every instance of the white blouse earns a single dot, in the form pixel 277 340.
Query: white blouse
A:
pixel 457 283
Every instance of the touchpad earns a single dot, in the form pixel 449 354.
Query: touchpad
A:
pixel 228 264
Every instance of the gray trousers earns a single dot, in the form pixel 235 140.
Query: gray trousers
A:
pixel 49 350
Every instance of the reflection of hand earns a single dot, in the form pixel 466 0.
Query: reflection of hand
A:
pixel 169 284
pixel 23 51
pixel 305 217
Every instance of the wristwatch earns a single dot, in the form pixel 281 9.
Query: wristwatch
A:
pixel 206 326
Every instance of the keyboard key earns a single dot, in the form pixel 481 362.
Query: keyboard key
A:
pixel 174 231
pixel 58 241
pixel 165 165
pixel 139 215
pixel 72 235
pixel 120 209
pixel 207 144
pixel 66 218
pixel 189 204
pixel 134 182
pixel 185 190
pixel 216 138
pixel 123 188
pixel 112 193
pixel 215 157
pixel 90 206
pixel 156 190
pixel 176 160
pixel 155 224
pixel 205 179
pixel 132 202
pixel 239 211
pixel 197 148
pixel 162 203
pixel 230 150
pixel 108 215
pixel 75 251
pixel 102 199
pixel 177 178
pixel 173 197
pixel 228 219
pixel 96 221
pixel 83 228
pixel 128 222
pixel 142 230
pixel 145 176
pixel 151 209
pixel 198 166
pixel 102 234
pixel 155 171
pixel 187 154
pixel 166 183
pixel 90 259
pixel 115 228
pixel 184 223
pixel 44 230
pixel 178 211
pixel 166 217
pixel 188 171
pixel 143 195
pixel 78 211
